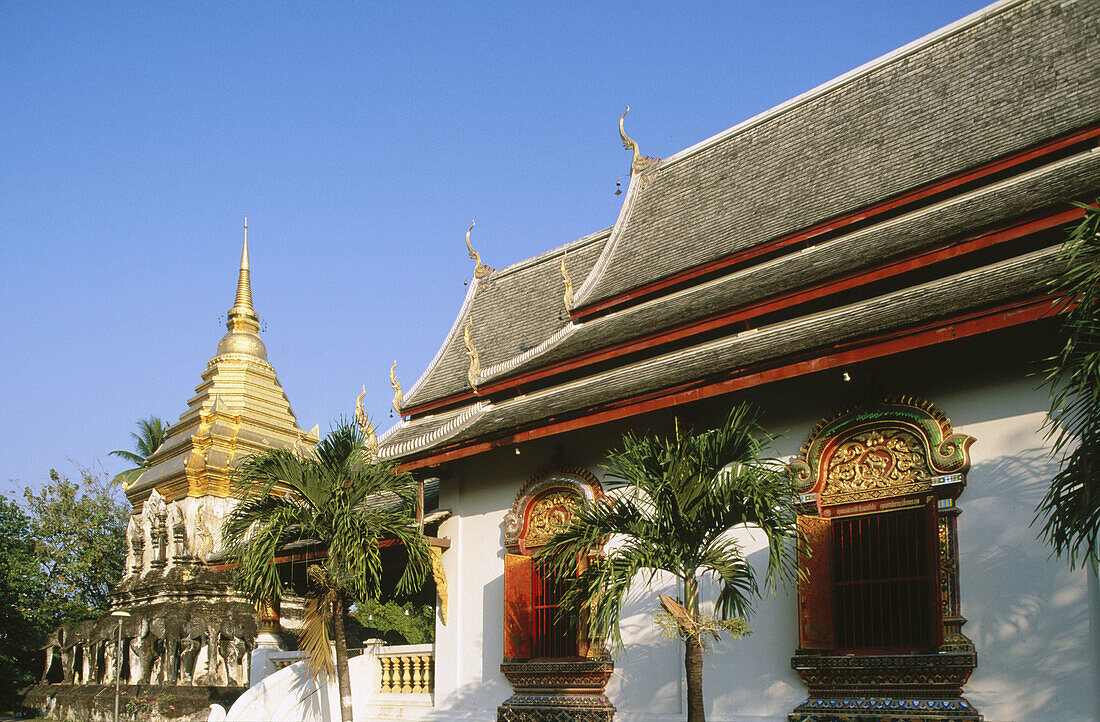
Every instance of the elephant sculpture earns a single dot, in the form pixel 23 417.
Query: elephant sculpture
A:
pixel 190 644
pixel 142 653
pixel 235 643
pixel 168 630
pixel 53 646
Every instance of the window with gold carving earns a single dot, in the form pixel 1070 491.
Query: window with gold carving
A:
pixel 877 520
pixel 532 629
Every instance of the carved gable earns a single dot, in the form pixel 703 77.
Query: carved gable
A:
pixel 544 505
pixel 896 447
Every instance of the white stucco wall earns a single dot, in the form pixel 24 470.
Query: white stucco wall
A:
pixel 1029 616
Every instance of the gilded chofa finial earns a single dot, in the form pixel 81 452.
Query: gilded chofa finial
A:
pixel 568 298
pixel 366 428
pixel 471 353
pixel 398 396
pixel 638 162
pixel 481 271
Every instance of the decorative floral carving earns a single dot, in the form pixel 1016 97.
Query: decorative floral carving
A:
pixel 943 450
pixel 882 459
pixel 439 575
pixel 948 566
pixel 577 483
pixel 474 372
pixel 549 514
pixel 366 428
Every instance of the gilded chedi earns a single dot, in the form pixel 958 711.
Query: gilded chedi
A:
pixel 238 409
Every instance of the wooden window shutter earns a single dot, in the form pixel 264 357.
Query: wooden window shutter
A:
pixel 815 583
pixel 518 579
pixel 935 596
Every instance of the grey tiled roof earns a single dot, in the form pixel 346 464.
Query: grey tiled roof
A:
pixel 1051 185
pixel 1015 75
pixel 512 314
pixel 1024 73
pixel 1017 277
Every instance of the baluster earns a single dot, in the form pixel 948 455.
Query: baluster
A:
pixel 417 679
pixel 406 677
pixel 387 674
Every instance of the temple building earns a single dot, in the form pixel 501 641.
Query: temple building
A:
pixel 187 628
pixel 869 264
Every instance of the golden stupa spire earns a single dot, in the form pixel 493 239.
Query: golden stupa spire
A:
pixel 241 320
pixel 244 284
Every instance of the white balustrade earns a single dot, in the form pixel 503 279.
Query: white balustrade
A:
pixel 406 669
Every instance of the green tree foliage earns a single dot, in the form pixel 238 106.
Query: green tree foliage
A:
pixel 59 555
pixel 336 495
pixel 1070 511
pixel 24 619
pixel 151 434
pixel 78 530
pixel 673 512
pixel 413 623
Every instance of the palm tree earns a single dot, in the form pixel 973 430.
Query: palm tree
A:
pixel 674 511
pixel 151 434
pixel 1071 507
pixel 336 495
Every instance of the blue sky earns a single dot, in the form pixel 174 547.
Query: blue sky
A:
pixel 360 139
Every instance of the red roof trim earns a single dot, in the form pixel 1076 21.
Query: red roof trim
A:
pixel 961 326
pixel 804 235
pixel 970 244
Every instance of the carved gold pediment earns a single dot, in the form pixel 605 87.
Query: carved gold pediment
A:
pixel 873 464
pixel 894 447
pixel 546 504
pixel 549 514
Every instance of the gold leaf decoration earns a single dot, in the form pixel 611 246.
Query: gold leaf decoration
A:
pixel 481 271
pixel 398 395
pixel 474 371
pixel 366 428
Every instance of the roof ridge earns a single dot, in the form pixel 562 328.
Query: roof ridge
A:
pixel 498 369
pixel 756 335
pixel 551 254
pixel 471 292
pixel 453 425
pixel 894 55
pixel 467 301
pixel 590 284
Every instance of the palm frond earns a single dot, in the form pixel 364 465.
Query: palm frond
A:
pixel 335 496
pixel 316 639
pixel 128 456
pixel 127 477
pixel 1070 510
pixel 674 506
pixel 152 432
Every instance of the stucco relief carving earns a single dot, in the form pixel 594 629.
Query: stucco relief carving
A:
pixel 205 545
pixel 873 461
pixel 544 504
pixel 549 514
pixel 177 525
pixel 135 535
pixel 156 515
